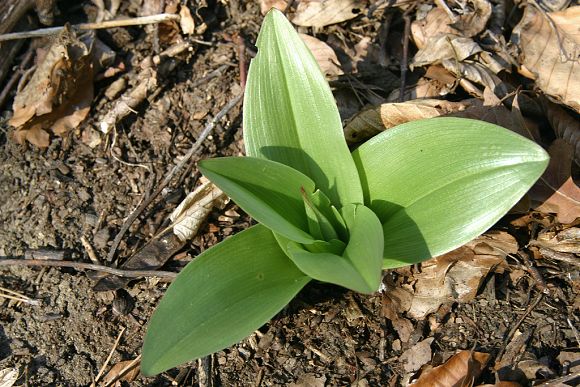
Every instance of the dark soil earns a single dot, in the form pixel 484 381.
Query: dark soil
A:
pixel 327 336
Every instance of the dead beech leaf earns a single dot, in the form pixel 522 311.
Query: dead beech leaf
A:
pixel 476 72
pixel 556 192
pixel 442 47
pixel 8 377
pixel 457 275
pixel 58 95
pixel 115 370
pixel 424 88
pixel 461 369
pixel 186 21
pixel 565 126
pixel 376 119
pixel 324 55
pixel 564 241
pixel 470 21
pixel 320 13
pixel 550 49
pixel 266 5
pixel 419 354
pixel 392 308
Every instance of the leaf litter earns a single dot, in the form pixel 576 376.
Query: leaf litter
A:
pixel 468 58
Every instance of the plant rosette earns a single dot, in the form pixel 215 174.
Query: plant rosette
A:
pixel 410 193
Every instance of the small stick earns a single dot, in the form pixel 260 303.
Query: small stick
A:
pixel 192 151
pixel 88 266
pixel 90 251
pixel 153 19
pixel 106 363
pixel 12 295
pixel 513 330
pixel 16 76
pixel 241 51
pixel 405 59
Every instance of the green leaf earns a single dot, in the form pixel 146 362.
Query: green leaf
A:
pixel 290 115
pixel 359 267
pixel 436 184
pixel 218 299
pixel 318 224
pixel 269 191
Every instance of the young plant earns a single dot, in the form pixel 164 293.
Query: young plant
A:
pixel 412 192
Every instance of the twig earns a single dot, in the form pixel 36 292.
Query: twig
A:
pixel 122 373
pixel 90 251
pixel 12 295
pixel 106 363
pixel 194 149
pixel 574 331
pixel 561 381
pixel 16 76
pixel 513 330
pixel 241 51
pixel 405 59
pixel 153 19
pixel 88 266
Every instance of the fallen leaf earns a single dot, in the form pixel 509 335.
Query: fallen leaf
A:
pixel 320 13
pixel 564 241
pixel 115 370
pixel 392 311
pixel 324 55
pixel 549 52
pixel 186 21
pixel 556 192
pixel 457 275
pixel 462 369
pixel 58 95
pixel 476 72
pixel 374 120
pixel 565 126
pixel 443 47
pixel 419 354
pixel 470 21
pixel 266 5
pixel 8 377
pixel 424 88
pixel 309 380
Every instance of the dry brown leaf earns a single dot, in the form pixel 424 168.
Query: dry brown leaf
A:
pixel 550 45
pixel 376 119
pixel 266 5
pixel 58 95
pixel 424 88
pixel 113 373
pixel 555 192
pixel 457 275
pixel 442 47
pixel 391 309
pixel 419 354
pixel 470 22
pixel 186 21
pixel 565 126
pixel 477 73
pixel 462 369
pixel 8 377
pixel 324 55
pixel 564 241
pixel 320 13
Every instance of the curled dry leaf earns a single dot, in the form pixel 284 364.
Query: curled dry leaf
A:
pixel 565 241
pixel 8 377
pixel 393 303
pixel 549 52
pixel 470 22
pixel 462 369
pixel 477 73
pixel 324 55
pixel 188 217
pixel 424 88
pixel 58 95
pixel 565 126
pixel 376 119
pixel 320 13
pixel 419 354
pixel 129 375
pixel 556 192
pixel 442 47
pixel 457 275
pixel 186 21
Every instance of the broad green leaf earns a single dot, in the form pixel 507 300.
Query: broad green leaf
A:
pixel 436 184
pixel 269 191
pixel 290 115
pixel 218 299
pixel 359 267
